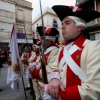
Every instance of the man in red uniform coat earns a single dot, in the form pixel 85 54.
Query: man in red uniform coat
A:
pixel 36 62
pixel 50 54
pixel 78 60
pixel 27 57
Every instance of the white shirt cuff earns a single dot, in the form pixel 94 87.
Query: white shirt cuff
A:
pixel 53 75
pixel 34 64
pixel 28 75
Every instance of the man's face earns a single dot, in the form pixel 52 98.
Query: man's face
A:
pixel 48 42
pixel 69 29
pixel 27 49
pixel 42 40
pixel 34 48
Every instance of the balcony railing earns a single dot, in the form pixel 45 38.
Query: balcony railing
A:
pixel 20 19
pixel 80 1
pixel 86 3
pixel 92 23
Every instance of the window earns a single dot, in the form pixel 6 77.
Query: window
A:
pixel 55 24
pixel 20 14
pixel 6 27
pixel 20 30
pixel 20 33
pixel 92 36
pixel 4 5
pixel 3 26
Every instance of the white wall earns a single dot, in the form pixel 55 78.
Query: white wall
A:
pixel 39 22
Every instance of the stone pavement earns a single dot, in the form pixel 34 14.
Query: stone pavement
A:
pixel 8 93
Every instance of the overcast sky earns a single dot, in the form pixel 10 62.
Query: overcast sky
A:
pixel 47 3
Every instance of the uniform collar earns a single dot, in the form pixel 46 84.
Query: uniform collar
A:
pixel 72 40
pixel 51 45
pixel 79 40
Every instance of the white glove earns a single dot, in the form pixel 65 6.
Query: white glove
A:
pixel 28 75
pixel 34 64
pixel 46 96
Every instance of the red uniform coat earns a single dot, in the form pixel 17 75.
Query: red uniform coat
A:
pixel 88 58
pixel 49 59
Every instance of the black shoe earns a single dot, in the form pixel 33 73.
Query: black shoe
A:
pixel 27 88
pixel 1 90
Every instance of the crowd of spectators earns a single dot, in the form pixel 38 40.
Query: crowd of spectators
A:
pixel 3 57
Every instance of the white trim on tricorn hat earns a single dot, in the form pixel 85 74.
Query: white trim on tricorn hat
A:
pixel 52 38
pixel 36 46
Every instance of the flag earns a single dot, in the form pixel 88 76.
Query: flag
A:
pixel 13 63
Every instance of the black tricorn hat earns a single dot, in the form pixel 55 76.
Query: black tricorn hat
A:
pixel 86 14
pixel 48 31
pixel 36 42
pixel 39 29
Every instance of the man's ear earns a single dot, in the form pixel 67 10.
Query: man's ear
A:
pixel 80 28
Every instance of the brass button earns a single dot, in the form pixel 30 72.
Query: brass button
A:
pixel 64 64
pixel 61 70
pixel 77 56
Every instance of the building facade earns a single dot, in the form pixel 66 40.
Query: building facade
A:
pixel 50 19
pixel 93 26
pixel 7 17
pixel 18 12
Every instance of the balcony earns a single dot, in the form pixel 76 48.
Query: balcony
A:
pixel 78 2
pixel 85 3
pixel 93 26
pixel 93 23
pixel 20 19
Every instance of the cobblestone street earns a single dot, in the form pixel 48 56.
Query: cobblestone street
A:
pixel 8 93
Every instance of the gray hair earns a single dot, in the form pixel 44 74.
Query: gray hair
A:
pixel 78 21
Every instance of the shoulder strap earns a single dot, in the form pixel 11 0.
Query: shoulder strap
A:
pixel 49 49
pixel 76 69
pixel 67 58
